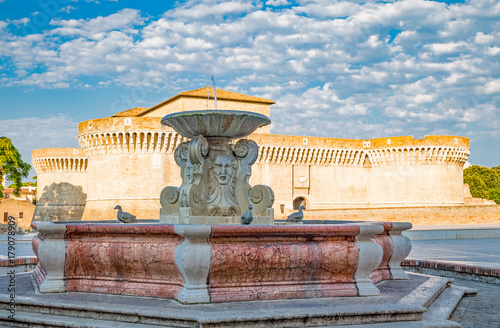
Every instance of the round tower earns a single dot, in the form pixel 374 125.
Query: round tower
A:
pixel 61 183
pixel 130 160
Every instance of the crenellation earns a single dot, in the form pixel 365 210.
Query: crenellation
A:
pixel 419 156
pixel 57 164
pixel 129 142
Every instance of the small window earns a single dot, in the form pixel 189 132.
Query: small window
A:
pixel 20 215
pixel 5 216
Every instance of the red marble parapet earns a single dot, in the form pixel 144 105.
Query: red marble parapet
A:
pixel 277 262
pixel 39 274
pixel 123 259
pixel 35 242
pixel 208 263
pixel 385 241
pixel 461 268
pixel 395 247
pixel 18 261
pixel 316 230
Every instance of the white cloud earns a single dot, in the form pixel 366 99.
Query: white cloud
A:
pixel 203 10
pixel 482 38
pixel 67 9
pixel 276 2
pixel 493 51
pixel 22 21
pixel 411 65
pixel 449 47
pixel 492 87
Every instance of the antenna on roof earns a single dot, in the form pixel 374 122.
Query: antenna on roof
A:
pixel 215 92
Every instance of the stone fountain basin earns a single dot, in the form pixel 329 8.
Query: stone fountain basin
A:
pixel 209 263
pixel 215 123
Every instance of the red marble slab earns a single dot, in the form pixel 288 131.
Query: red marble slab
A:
pixel 75 230
pixel 123 287
pixel 259 262
pixel 39 274
pixel 35 242
pixel 123 259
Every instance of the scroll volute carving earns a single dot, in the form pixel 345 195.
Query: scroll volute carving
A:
pixel 197 153
pixel 262 198
pixel 246 152
pixel 189 156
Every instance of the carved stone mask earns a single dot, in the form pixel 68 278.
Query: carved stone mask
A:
pixel 223 168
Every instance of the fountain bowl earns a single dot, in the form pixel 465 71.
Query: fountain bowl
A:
pixel 215 123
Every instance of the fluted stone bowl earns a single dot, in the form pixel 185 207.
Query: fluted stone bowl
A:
pixel 215 123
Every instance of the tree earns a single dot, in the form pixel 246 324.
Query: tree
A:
pixel 12 166
pixel 483 182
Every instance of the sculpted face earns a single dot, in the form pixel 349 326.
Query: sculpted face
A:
pixel 223 169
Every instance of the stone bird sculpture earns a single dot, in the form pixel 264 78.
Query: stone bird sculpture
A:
pixel 247 217
pixel 297 216
pixel 124 216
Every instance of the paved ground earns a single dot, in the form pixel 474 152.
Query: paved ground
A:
pixel 475 252
pixel 480 311
pixel 21 244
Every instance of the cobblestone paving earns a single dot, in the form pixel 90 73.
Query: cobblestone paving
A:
pixel 480 311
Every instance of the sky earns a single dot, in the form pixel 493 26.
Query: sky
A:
pixel 341 69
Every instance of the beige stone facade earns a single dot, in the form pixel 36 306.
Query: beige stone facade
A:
pixel 127 159
pixel 21 210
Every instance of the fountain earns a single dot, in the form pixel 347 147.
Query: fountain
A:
pixel 215 173
pixel 198 253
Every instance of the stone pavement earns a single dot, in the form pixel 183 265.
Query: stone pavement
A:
pixel 480 311
pixel 22 245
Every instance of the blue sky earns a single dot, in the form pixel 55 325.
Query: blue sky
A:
pixel 344 69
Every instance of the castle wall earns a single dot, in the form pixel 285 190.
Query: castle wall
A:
pixel 130 160
pixel 61 183
pixel 341 173
pixel 420 215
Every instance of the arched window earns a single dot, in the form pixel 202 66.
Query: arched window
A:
pixel 299 201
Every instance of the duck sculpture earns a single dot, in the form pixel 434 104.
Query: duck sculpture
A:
pixel 297 216
pixel 124 216
pixel 247 217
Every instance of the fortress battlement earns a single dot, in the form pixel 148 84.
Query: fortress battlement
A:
pixel 72 160
pixel 121 152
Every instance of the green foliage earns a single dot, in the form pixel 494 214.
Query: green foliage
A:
pixel 483 182
pixel 494 194
pixel 11 165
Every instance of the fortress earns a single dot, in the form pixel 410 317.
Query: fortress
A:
pixel 127 159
